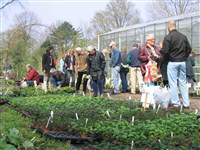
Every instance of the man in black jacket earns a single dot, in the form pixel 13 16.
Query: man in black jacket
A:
pixel 96 64
pixel 176 49
pixel 47 63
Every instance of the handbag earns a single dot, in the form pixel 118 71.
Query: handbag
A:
pixel 151 74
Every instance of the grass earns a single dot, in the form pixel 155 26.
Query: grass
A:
pixel 11 119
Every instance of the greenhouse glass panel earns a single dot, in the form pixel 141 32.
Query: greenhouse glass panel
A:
pixel 149 30
pixel 185 28
pixel 196 45
pixel 130 39
pixel 160 32
pixel 140 36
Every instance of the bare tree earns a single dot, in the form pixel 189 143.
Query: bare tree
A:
pixel 3 5
pixel 118 13
pixel 165 8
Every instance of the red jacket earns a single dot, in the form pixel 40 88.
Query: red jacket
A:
pixel 144 53
pixel 33 75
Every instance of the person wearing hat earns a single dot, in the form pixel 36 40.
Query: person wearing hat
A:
pixel 32 76
pixel 58 78
pixel 96 65
pixel 115 63
pixel 81 68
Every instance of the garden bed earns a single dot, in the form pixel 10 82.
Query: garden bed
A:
pixel 120 121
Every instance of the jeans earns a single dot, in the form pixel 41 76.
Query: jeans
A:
pixel 70 78
pixel 30 82
pixel 79 79
pixel 115 78
pixel 97 87
pixel 176 72
pixel 123 75
pixel 54 82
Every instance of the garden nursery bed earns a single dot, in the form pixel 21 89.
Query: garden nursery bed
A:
pixel 114 121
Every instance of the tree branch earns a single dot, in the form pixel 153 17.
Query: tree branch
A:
pixel 6 4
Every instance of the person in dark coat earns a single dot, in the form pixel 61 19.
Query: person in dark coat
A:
pixel 48 62
pixel 70 66
pixel 124 70
pixel 163 65
pixel 176 48
pixel 190 63
pixel 96 64
pixel 58 78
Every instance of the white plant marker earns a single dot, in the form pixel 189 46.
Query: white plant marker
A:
pixel 108 95
pixel 196 111
pixel 167 115
pixel 158 108
pixel 129 97
pixel 154 106
pixel 83 93
pixel 120 117
pixel 107 112
pixel 74 94
pixel 45 86
pixel 76 116
pixel 133 119
pixel 181 109
pixel 50 119
pixel 159 140
pixel 172 134
pixel 132 143
pixel 86 121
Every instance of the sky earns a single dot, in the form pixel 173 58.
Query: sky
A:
pixel 75 12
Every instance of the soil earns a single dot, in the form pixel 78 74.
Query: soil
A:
pixel 194 101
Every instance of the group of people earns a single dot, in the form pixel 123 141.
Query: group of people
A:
pixel 173 56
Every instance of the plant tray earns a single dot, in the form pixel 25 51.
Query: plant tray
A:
pixel 2 102
pixel 62 135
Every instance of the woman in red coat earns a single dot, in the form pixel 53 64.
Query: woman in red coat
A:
pixel 32 76
pixel 147 52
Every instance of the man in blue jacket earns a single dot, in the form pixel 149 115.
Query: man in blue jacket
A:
pixel 136 75
pixel 115 64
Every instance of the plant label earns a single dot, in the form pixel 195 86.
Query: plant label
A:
pixel 133 119
pixel 159 140
pixel 52 114
pixel 108 95
pixel 154 106
pixel 107 112
pixel 129 97
pixel 196 111
pixel 181 108
pixel 74 95
pixel 83 93
pixel 132 143
pixel 172 134
pixel 86 121
pixel 120 117
pixel 76 116
pixel 158 108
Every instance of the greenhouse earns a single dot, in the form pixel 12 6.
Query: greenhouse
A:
pixel 188 24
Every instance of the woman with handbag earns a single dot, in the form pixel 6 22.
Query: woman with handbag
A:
pixel 148 52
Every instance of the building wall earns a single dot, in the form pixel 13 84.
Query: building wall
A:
pixel 125 37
